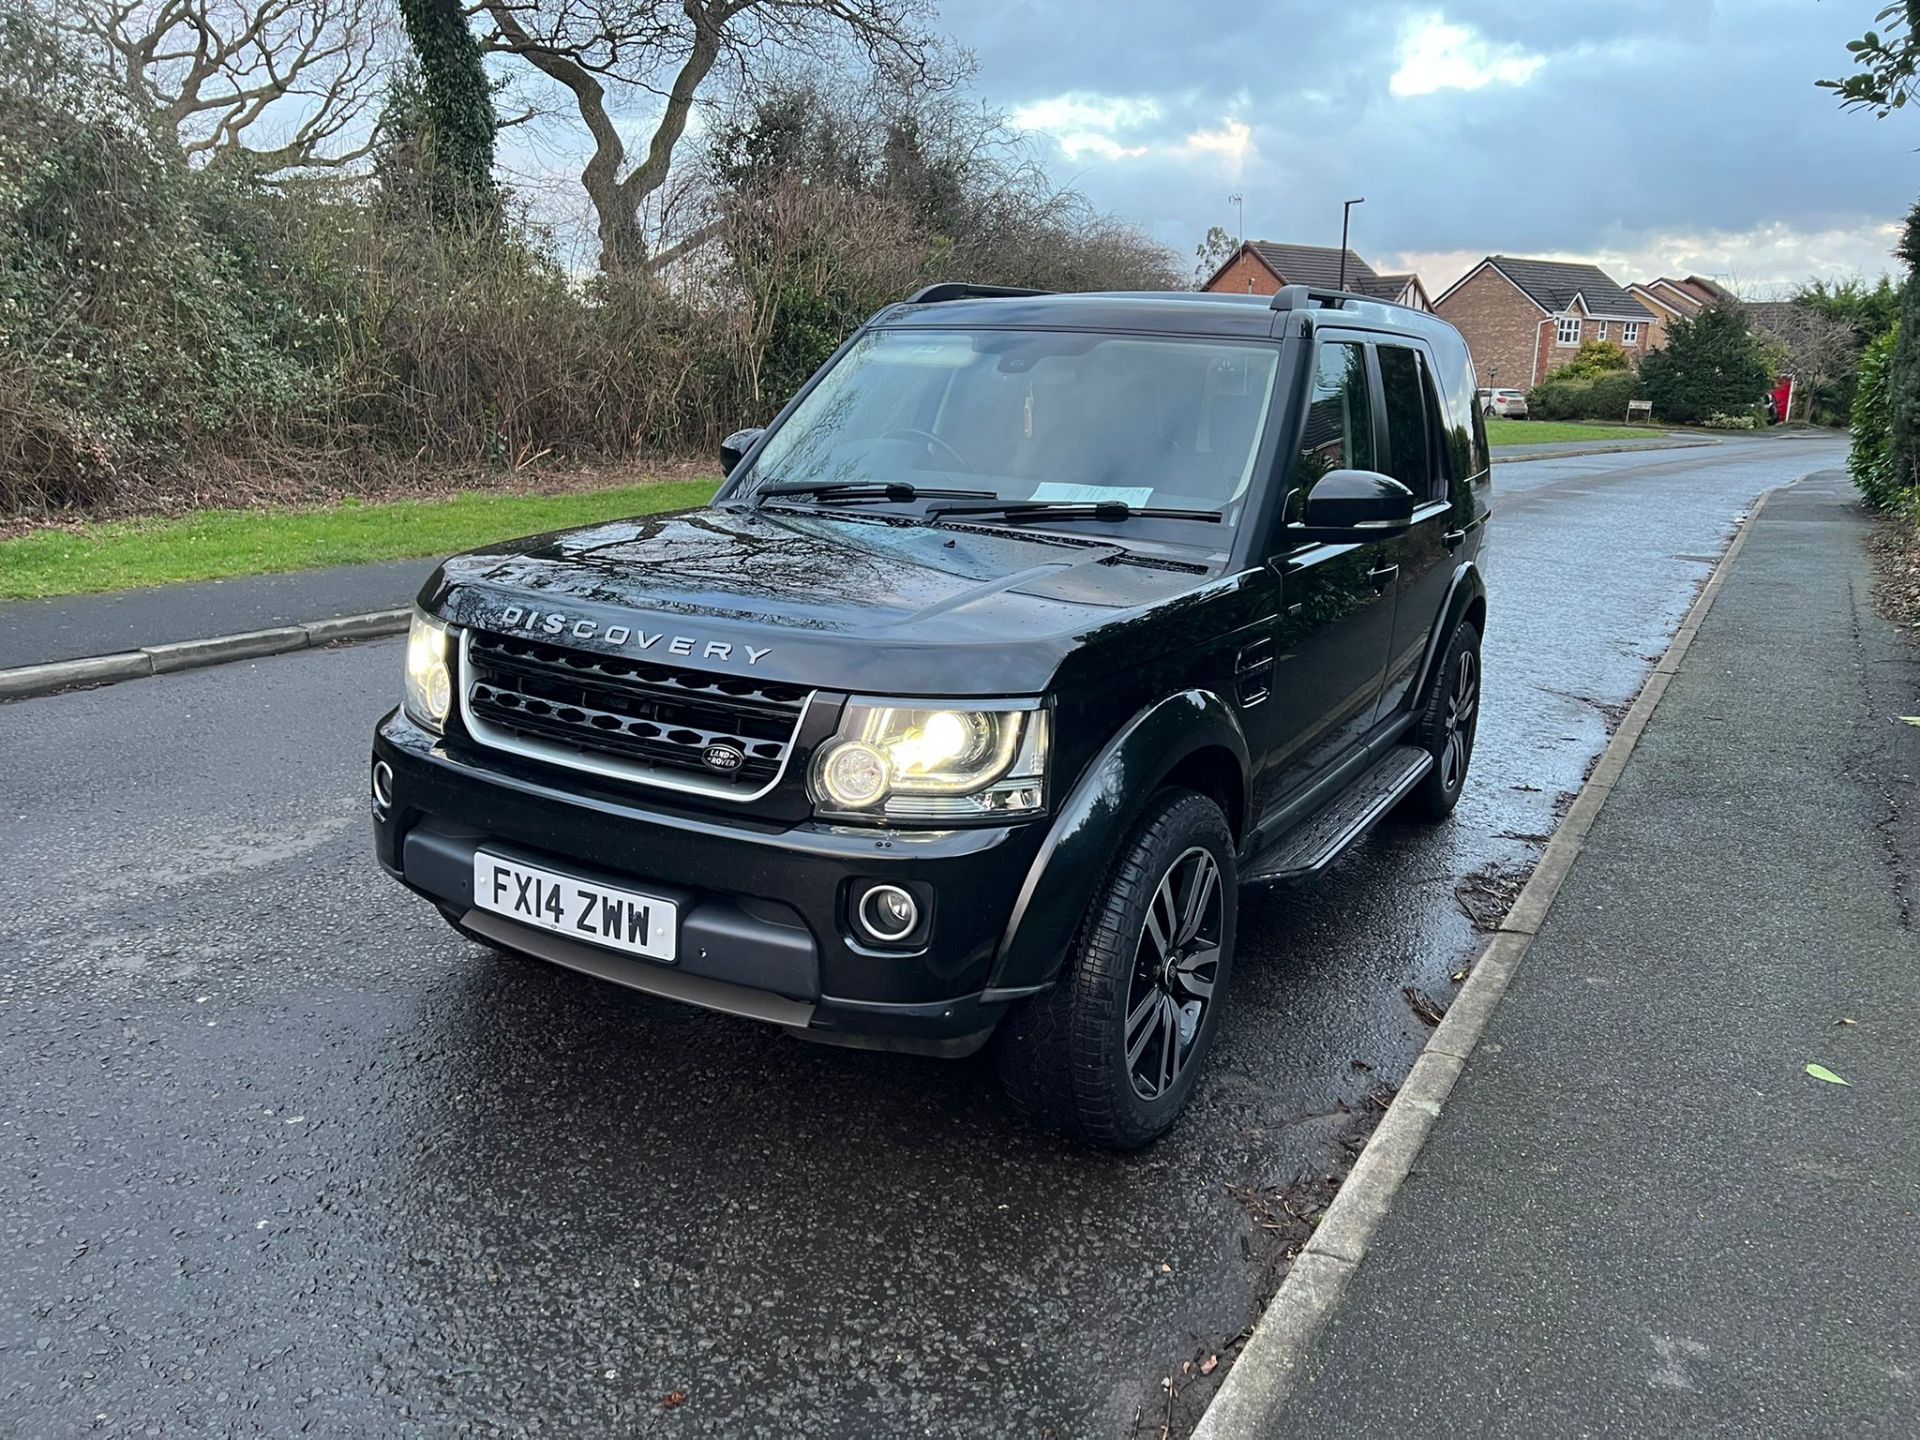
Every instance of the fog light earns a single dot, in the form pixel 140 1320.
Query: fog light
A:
pixel 889 914
pixel 382 786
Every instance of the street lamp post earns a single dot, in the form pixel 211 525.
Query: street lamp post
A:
pixel 1346 217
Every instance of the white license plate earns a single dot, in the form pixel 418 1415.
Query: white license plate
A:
pixel 599 914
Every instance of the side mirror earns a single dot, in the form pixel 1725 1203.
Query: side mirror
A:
pixel 1351 507
pixel 734 448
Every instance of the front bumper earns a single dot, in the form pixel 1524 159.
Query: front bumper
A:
pixel 763 929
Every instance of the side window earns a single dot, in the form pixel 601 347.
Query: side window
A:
pixel 1410 449
pixel 1338 434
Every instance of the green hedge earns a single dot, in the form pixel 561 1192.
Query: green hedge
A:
pixel 1600 397
pixel 1871 458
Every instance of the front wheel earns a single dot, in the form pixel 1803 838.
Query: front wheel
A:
pixel 1112 1053
pixel 1447 727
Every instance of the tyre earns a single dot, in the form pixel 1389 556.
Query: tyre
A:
pixel 1110 1055
pixel 1447 726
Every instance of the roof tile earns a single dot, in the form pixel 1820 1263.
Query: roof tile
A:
pixel 1553 284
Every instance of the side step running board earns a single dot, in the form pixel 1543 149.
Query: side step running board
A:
pixel 1319 841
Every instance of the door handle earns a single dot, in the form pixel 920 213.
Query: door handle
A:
pixel 1382 574
pixel 1454 539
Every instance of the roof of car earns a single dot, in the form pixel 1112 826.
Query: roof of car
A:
pixel 1171 312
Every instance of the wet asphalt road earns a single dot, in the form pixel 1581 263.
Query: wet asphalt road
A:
pixel 280 1154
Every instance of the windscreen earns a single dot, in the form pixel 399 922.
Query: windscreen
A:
pixel 1040 415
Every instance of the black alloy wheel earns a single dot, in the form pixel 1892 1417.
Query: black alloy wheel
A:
pixel 1111 1054
pixel 1447 726
pixel 1176 965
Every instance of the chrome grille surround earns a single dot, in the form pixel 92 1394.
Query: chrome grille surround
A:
pixel 626 719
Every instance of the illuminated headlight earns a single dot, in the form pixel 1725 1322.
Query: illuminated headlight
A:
pixel 429 688
pixel 892 761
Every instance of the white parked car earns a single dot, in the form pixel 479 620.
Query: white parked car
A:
pixel 1507 404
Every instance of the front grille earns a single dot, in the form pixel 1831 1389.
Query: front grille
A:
pixel 633 718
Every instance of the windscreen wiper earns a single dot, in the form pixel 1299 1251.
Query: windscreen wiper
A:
pixel 1110 511
pixel 855 491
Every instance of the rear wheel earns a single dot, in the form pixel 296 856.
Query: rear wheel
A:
pixel 1447 727
pixel 1112 1053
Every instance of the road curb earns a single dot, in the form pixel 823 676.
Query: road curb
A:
pixel 1276 1354
pixel 1498 459
pixel 25 681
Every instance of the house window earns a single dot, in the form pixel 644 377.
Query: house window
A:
pixel 1629 333
pixel 1605 325
pixel 1569 330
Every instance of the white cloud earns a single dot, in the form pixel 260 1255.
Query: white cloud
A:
pixel 1120 127
pixel 1082 124
pixel 1435 55
pixel 1233 142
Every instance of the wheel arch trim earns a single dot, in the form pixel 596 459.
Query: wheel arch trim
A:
pixel 1090 825
pixel 1468 587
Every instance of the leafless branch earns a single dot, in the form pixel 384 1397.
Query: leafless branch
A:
pixel 285 85
pixel 609 56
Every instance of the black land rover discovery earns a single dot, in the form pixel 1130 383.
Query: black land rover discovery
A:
pixel 1027 635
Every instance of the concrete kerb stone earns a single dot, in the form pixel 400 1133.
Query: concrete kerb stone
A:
pixel 1499 459
pixel 247 645
pixel 370 626
pixel 1345 1229
pixel 1282 1339
pixel 24 681
pixel 1460 1028
pixel 1273 1355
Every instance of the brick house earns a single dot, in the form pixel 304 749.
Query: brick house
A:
pixel 1260 267
pixel 1524 319
pixel 1672 300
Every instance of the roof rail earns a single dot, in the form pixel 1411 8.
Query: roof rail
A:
pixel 1305 297
pixel 961 290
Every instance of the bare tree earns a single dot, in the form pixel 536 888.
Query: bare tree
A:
pixel 1817 349
pixel 607 55
pixel 284 85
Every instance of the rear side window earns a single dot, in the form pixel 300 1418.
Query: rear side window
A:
pixel 1465 430
pixel 1410 454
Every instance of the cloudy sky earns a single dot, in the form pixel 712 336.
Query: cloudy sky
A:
pixel 1654 136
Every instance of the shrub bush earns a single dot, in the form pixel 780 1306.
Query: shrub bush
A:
pixel 1594 358
pixel 159 322
pixel 1871 457
pixel 1601 396
pixel 1712 365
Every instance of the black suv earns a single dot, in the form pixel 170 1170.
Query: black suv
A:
pixel 1027 635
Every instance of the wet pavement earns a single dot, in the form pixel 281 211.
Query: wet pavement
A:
pixel 282 1153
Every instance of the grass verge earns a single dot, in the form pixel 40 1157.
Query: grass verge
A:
pixel 219 544
pixel 1558 432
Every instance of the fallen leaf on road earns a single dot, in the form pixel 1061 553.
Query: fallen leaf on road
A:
pixel 1422 1007
pixel 1820 1072
pixel 675 1399
pixel 1210 1364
